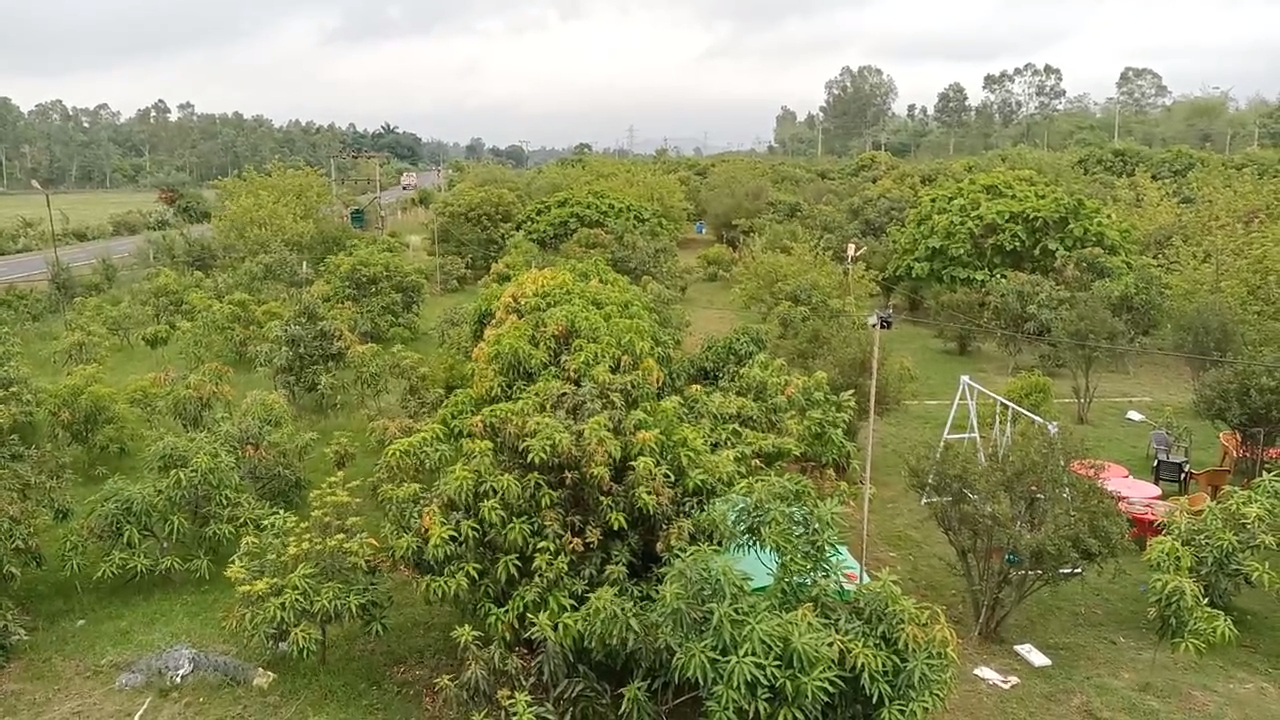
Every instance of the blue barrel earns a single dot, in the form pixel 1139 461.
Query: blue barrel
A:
pixel 700 228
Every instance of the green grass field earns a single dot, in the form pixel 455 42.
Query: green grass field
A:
pixel 1106 665
pixel 82 208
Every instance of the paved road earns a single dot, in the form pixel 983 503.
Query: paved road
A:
pixel 34 265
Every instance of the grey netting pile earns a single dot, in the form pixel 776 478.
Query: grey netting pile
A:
pixel 180 661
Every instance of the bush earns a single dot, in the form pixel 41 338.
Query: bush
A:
pixel 296 578
pixel 1245 398
pixel 958 313
pixel 1032 390
pixel 1022 509
pixel 448 273
pixel 128 222
pixel 716 262
pixel 1205 558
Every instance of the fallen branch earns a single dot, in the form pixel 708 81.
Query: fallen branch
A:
pixel 138 715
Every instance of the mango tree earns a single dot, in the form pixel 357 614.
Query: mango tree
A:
pixel 562 501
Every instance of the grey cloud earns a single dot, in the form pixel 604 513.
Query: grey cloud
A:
pixel 41 39
pixel 1006 32
pixel 93 34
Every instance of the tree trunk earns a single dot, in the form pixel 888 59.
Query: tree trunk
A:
pixel 951 145
pixel 324 644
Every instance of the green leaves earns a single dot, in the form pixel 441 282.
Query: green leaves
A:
pixel 976 229
pixel 1022 504
pixel 376 289
pixel 553 221
pixel 190 506
pixel 1245 398
pixel 562 502
pixel 296 578
pixel 1205 558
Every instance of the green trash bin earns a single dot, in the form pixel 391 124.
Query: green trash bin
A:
pixel 357 218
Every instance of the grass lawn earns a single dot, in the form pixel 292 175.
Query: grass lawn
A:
pixel 82 208
pixel 1105 663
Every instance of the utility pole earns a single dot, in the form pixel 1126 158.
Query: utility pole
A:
pixel 377 185
pixel 852 251
pixel 1115 138
pixel 333 178
pixel 705 144
pixel 435 232
pixel 631 139
pixel 55 273
pixel 376 180
pixel 4 161
pixel 524 145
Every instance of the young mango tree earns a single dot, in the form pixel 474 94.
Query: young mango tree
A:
pixel 296 578
pixel 376 290
pixel 1018 524
pixel 33 487
pixel 180 517
pixel 575 470
pixel 1205 558
pixel 271 448
pixel 308 349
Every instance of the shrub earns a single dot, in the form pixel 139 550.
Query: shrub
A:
pixel 1017 521
pixel 180 517
pixel 447 273
pixel 716 262
pixel 1245 398
pixel 128 222
pixel 958 313
pixel 1205 558
pixel 377 290
pixel 1032 390
pixel 296 578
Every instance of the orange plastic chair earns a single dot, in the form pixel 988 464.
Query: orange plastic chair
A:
pixel 1210 481
pixel 1197 501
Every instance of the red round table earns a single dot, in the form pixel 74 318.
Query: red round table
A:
pixel 1132 488
pixel 1145 516
pixel 1099 469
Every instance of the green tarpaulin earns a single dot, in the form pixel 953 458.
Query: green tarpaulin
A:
pixel 760 565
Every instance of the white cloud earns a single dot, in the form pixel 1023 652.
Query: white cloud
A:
pixel 558 72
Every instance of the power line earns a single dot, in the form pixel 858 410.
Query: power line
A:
pixel 1134 349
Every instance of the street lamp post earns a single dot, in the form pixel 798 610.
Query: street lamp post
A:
pixel 53 233
pixel 55 272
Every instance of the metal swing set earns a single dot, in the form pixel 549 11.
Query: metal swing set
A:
pixel 970 393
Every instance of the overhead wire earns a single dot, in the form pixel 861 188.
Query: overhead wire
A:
pixel 1134 349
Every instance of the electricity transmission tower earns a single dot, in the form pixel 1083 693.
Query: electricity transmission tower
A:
pixel 631 138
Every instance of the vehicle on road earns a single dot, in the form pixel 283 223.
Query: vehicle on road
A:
pixel 409 181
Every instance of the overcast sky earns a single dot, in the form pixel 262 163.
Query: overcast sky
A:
pixel 560 71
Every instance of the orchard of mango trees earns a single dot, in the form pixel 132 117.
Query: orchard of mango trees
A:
pixel 500 462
